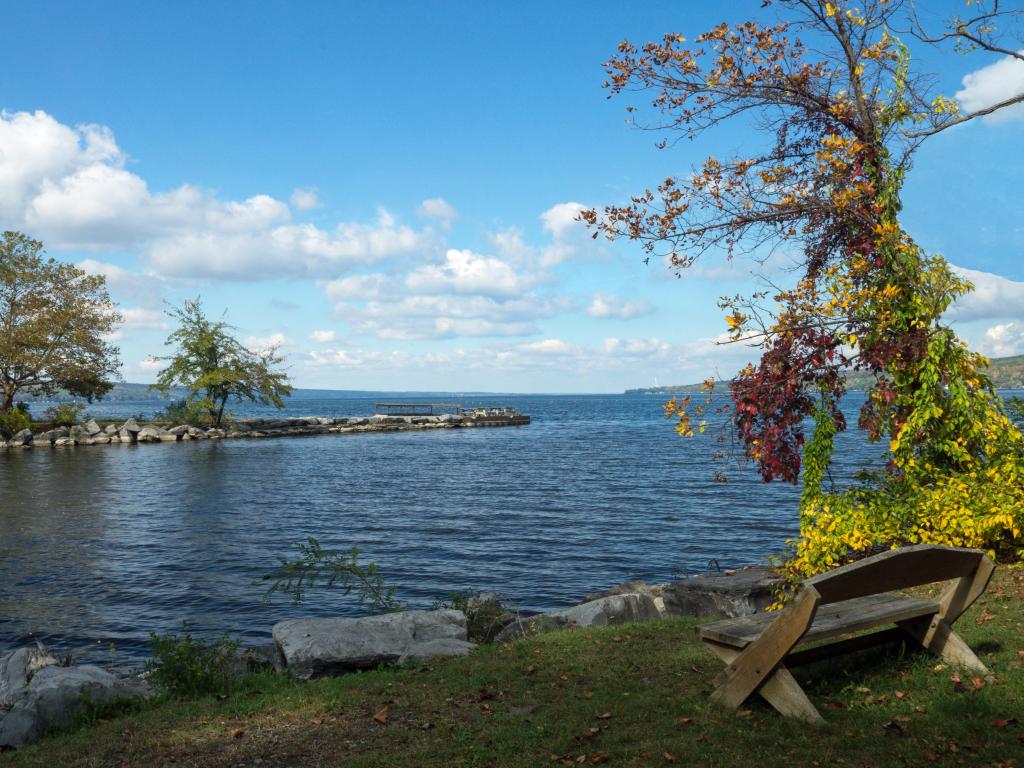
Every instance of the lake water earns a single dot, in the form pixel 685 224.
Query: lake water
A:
pixel 99 546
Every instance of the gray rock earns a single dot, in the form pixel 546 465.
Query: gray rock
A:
pixel 169 437
pixel 64 442
pixel 22 437
pixel 149 435
pixel 131 426
pixel 450 418
pixel 92 427
pixel 54 696
pixel 110 429
pixel 634 608
pixel 319 647
pixel 17 668
pixel 100 439
pixel 324 421
pixel 179 430
pixel 729 593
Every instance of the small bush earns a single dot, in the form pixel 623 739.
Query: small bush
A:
pixel 184 412
pixel 13 421
pixel 66 414
pixel 485 615
pixel 184 666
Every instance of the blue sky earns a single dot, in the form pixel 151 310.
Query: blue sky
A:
pixel 387 190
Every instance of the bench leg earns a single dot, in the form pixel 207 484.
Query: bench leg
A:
pixel 780 689
pixel 938 637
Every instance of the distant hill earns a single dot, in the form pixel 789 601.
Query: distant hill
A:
pixel 1006 373
pixel 128 391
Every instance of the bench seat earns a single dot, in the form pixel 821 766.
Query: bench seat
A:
pixel 831 620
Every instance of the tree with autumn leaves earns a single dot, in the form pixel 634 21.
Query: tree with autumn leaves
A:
pixel 832 89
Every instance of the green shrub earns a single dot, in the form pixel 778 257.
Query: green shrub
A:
pixel 184 666
pixel 485 615
pixel 13 421
pixel 184 412
pixel 66 414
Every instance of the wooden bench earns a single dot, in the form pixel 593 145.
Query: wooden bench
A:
pixel 759 649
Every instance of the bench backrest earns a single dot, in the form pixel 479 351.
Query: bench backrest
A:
pixel 902 568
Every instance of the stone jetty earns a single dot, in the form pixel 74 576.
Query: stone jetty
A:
pixel 131 432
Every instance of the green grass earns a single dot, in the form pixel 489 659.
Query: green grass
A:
pixel 627 696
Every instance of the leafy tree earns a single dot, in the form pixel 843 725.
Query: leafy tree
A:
pixel 53 322
pixel 215 367
pixel 842 115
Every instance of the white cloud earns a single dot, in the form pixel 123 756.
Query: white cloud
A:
pixel 445 316
pixel 305 199
pixel 323 337
pixel 142 319
pixel 439 210
pixel 265 344
pixel 146 288
pixel 994 296
pixel 465 272
pixel 991 85
pixel 151 364
pixel 69 186
pixel 1004 340
pixel 560 219
pixel 609 305
pixel 547 347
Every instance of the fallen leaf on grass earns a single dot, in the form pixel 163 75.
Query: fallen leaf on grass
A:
pixel 1005 723
pixel 669 756
pixel 977 682
pixel 702 737
pixel 381 716
pixel 745 713
pixel 902 694
pixel 317 721
pixel 599 757
pixel 684 720
pixel 604 716
pixel 237 733
pixel 984 616
pixel 696 670
pixel 835 705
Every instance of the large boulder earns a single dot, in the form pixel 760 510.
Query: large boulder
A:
pixel 92 427
pixel 21 437
pixel 319 647
pixel 53 696
pixel 149 435
pixel 727 593
pixel 179 430
pixel 17 668
pixel 131 426
pixel 634 608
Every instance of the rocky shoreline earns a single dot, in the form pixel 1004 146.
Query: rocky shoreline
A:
pixel 40 693
pixel 131 432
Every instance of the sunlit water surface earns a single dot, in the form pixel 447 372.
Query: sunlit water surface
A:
pixel 99 546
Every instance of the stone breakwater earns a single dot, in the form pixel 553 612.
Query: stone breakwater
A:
pixel 132 432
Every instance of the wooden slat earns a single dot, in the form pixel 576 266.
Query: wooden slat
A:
pixel 759 659
pixel 830 620
pixel 780 690
pixel 896 569
pixel 961 595
pixel 939 638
